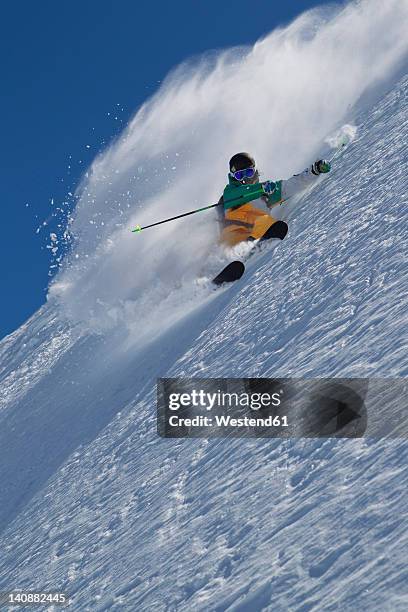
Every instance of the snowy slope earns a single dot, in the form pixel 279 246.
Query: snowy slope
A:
pixel 94 503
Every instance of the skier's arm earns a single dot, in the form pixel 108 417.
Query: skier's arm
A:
pixel 279 191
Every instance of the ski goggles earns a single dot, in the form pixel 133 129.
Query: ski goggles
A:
pixel 239 175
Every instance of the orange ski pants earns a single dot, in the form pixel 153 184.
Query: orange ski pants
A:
pixel 245 222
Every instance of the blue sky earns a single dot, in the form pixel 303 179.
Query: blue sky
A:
pixel 73 73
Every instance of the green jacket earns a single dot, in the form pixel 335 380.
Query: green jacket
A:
pixel 235 194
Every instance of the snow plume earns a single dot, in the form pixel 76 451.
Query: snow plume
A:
pixel 279 99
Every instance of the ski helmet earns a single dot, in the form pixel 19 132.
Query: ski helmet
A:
pixel 241 161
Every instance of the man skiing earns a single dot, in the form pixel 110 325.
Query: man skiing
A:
pixel 240 219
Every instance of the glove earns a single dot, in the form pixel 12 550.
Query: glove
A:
pixel 269 187
pixel 321 167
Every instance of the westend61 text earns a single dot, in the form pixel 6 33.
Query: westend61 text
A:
pixel 227 421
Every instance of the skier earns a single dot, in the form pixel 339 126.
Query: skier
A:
pixel 247 222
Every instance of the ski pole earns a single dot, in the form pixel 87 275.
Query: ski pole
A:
pixel 246 194
pixel 138 228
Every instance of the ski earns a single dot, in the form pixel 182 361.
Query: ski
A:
pixel 278 230
pixel 232 272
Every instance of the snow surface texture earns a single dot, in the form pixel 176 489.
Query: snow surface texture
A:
pixel 92 502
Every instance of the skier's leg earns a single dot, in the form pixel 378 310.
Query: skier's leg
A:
pixel 248 223
pixel 233 234
pixel 262 222
pixel 241 223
